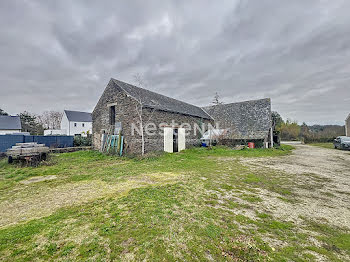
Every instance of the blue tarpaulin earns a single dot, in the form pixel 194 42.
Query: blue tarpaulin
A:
pixel 7 141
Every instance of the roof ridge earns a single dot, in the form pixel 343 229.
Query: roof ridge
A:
pixel 205 111
pixel 241 102
pixel 119 83
pixel 153 92
pixel 65 110
pixel 347 117
pixel 78 116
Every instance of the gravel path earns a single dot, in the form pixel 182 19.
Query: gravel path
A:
pixel 322 185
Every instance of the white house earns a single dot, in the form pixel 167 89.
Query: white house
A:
pixel 10 125
pixel 76 123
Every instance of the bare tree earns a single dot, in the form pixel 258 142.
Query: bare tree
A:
pixel 140 105
pixel 216 100
pixel 51 119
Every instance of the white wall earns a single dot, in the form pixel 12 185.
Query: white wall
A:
pixel 72 130
pixel 4 132
pixel 79 129
pixel 50 132
pixel 65 123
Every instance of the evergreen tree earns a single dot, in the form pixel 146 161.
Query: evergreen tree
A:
pixel 3 113
pixel 277 120
pixel 30 123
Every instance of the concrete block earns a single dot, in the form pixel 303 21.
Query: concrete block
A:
pixel 26 145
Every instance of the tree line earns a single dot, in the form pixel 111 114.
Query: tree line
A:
pixel 36 124
pixel 291 130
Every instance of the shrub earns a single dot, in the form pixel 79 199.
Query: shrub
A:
pixel 82 141
pixel 309 140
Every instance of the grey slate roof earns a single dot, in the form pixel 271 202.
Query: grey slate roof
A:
pixel 249 119
pixel 78 116
pixel 10 123
pixel 161 102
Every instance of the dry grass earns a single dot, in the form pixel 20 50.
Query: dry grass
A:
pixel 29 202
pixel 204 205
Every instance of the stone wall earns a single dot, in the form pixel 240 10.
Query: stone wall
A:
pixel 347 126
pixel 161 119
pixel 126 114
pixel 247 120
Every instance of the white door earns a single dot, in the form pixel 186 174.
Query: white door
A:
pixel 181 139
pixel 168 139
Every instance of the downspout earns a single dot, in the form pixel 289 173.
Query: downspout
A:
pixel 271 134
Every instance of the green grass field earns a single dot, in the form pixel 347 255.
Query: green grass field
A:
pixel 169 207
pixel 324 145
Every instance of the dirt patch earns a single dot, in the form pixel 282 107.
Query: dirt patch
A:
pixel 322 185
pixel 42 201
pixel 37 179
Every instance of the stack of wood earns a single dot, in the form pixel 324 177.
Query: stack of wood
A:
pixel 28 153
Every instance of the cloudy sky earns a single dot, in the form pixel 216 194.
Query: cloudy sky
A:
pixel 57 55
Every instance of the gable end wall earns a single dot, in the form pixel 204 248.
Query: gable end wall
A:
pixel 126 113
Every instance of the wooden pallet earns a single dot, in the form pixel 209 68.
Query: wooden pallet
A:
pixel 113 144
pixel 30 153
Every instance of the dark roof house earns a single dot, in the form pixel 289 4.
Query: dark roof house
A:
pixel 76 123
pixel 248 120
pixel 120 106
pixel 10 123
pixel 78 116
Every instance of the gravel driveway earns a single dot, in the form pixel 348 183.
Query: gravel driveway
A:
pixel 321 183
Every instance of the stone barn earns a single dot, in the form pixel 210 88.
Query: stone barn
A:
pixel 146 120
pixel 347 126
pixel 248 121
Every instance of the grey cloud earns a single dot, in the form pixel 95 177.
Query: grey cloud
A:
pixel 61 54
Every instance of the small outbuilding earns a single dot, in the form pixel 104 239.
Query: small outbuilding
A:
pixel 148 121
pixel 10 125
pixel 248 121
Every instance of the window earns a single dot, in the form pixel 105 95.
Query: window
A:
pixel 82 124
pixel 75 124
pixel 112 115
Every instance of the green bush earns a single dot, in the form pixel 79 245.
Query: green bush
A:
pixel 82 141
pixel 309 140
